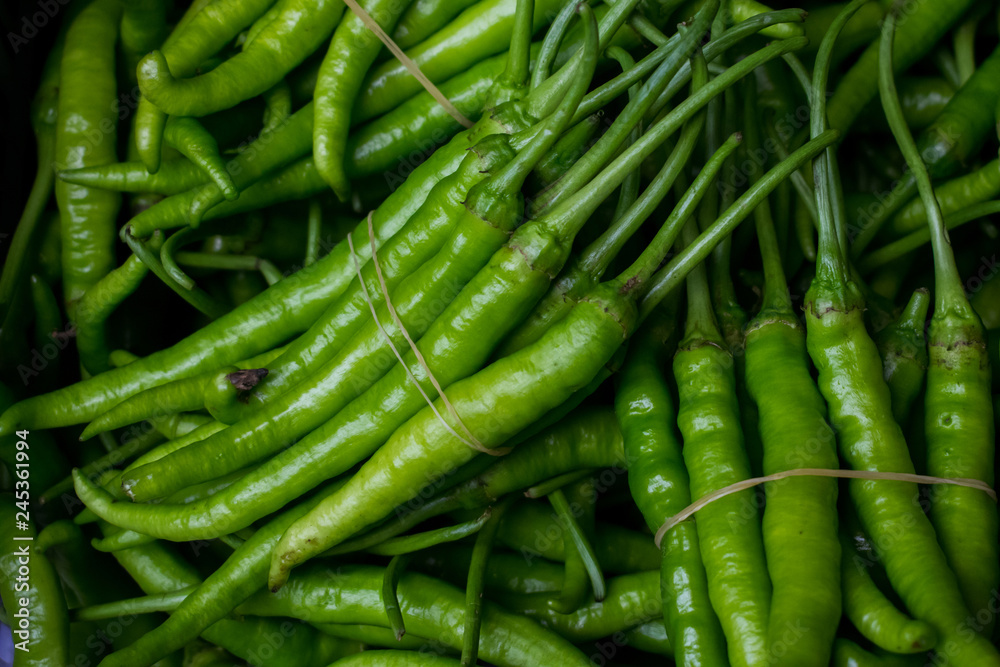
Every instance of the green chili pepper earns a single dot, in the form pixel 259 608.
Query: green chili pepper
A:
pixel 632 600
pixel 201 32
pixel 157 570
pixel 508 572
pixel 351 594
pixel 660 487
pixel 966 190
pixel 953 137
pixel 875 617
pixel 728 529
pixel 86 137
pixel 957 404
pixel 425 442
pixel 850 378
pixel 173 177
pixel 170 398
pixel 903 349
pixel 484 223
pixel 351 52
pixel 243 501
pixel 207 606
pixel 194 142
pixel 29 586
pixel 298 29
pixel 800 516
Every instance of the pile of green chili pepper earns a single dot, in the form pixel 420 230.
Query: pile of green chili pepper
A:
pixel 462 332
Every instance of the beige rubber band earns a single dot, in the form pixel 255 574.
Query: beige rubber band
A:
pixel 408 63
pixel 816 472
pixel 471 441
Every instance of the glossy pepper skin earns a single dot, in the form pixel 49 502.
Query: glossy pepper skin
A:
pixel 660 487
pixel 204 29
pixel 482 30
pixel 282 43
pixel 800 515
pixel 730 542
pixel 431 608
pixel 85 137
pixel 860 409
pixel 961 443
pixel 484 220
pixel 872 613
pixel 543 375
pixel 262 323
pixel 205 610
pixel 352 50
pixel 158 569
pixel 43 639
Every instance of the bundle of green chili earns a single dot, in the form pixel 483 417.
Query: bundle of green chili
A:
pixel 390 363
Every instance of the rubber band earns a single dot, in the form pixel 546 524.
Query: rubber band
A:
pixel 816 472
pixel 471 441
pixel 408 63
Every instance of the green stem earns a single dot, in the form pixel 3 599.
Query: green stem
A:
pixel 475 582
pixel 950 294
pixel 776 296
pixel 700 315
pixel 610 143
pixel 142 605
pixel 831 264
pixel 550 44
pixel 636 276
pixel 912 241
pixel 515 73
pixel 390 581
pixel 670 276
pixel 208 260
pixel 580 541
pixel 571 214
pixel 510 178
pixel 431 538
pixel 195 296
pixel 313 232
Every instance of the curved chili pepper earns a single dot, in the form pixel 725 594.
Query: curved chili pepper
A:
pixel 631 601
pixel 209 30
pixel 603 320
pixel 923 27
pixel 708 418
pixel 800 515
pixel 867 607
pixel 351 52
pixel 42 638
pixel 194 142
pixel 85 137
pixel 489 214
pixel 949 141
pixel 428 605
pixel 659 484
pixel 957 404
pixel 850 379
